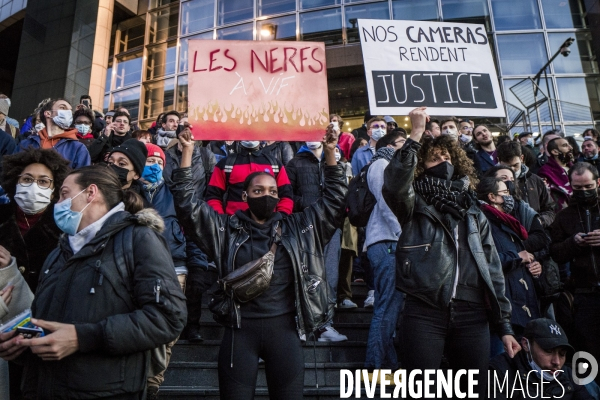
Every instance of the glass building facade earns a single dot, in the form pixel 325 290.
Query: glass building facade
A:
pixel 148 56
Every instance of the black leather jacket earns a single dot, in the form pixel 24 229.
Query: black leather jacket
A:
pixel 304 234
pixel 426 255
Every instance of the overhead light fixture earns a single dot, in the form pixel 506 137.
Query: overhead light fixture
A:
pixel 269 31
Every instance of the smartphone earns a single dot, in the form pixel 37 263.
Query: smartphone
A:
pixel 584 235
pixel 30 333
pixel 86 102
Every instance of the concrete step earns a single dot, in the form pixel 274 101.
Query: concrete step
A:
pixel 322 352
pixel 206 374
pixel 261 393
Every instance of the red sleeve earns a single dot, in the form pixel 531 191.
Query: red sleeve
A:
pixel 216 190
pixel 286 194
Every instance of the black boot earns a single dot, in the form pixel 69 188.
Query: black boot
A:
pixel 193 334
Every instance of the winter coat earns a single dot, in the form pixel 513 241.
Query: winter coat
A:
pixel 563 387
pixel 427 255
pixel 585 260
pixel 535 193
pixel 303 235
pixel 71 150
pixel 120 322
pixel 161 200
pixel 281 151
pixel 306 176
pixel 361 157
pixel 485 161
pixel 103 144
pixel 520 286
pixel 203 164
pixel 32 249
pixel 7 146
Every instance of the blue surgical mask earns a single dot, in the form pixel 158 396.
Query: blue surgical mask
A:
pixel 378 133
pixel 83 129
pixel 530 142
pixel 66 219
pixel 250 144
pixel 152 173
pixel 313 145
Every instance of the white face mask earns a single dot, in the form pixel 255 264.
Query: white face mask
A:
pixel 377 134
pixel 466 138
pixel 32 199
pixel 249 144
pixel 453 133
pixel 336 125
pixel 338 156
pixel 63 119
pixel 83 129
pixel 313 145
pixel 548 376
pixel 530 142
pixel 39 127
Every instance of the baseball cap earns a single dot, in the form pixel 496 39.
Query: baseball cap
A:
pixel 548 334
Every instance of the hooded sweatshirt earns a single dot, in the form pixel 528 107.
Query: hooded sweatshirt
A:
pixel 48 142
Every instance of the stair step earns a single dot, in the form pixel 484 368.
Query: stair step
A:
pixel 261 393
pixel 206 374
pixel 341 315
pixel 339 352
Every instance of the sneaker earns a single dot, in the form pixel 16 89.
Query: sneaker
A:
pixel 331 335
pixel 370 300
pixel 347 303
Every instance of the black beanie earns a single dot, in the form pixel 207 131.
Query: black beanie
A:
pixel 136 152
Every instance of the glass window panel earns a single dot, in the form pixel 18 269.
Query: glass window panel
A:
pixel 367 11
pixel 182 93
pixel 581 58
pixel 304 4
pixel 282 28
pixel 161 60
pixel 577 131
pixel 106 103
pixel 158 97
pixel 160 3
pixel 129 71
pixel 513 15
pixel 183 49
pixel 322 26
pixel 163 24
pixel 132 34
pixel 234 10
pixel 197 15
pixel 521 54
pixel 415 10
pixel 238 32
pixel 130 99
pixel 563 14
pixel 109 76
pixel 470 11
pixel 266 7
pixel 111 49
pixel 574 99
pixel 593 89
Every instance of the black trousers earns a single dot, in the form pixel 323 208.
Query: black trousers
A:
pixel 460 332
pixel 276 341
pixel 198 282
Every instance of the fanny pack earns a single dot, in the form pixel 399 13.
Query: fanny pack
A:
pixel 251 279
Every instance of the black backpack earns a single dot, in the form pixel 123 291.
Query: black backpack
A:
pixel 360 202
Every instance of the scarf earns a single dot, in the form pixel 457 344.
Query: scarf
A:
pixel 152 187
pixel 451 198
pixel 164 137
pixel 385 152
pixel 506 219
pixel 556 176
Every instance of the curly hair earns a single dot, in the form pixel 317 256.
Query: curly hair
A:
pixel 14 165
pixel 463 166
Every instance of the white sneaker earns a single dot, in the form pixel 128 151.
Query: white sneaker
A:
pixel 347 303
pixel 331 335
pixel 370 300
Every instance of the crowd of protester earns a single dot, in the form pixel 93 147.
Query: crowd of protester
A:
pixel 476 252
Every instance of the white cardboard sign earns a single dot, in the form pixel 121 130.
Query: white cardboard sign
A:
pixel 445 66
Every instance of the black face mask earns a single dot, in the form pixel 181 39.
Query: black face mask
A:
pixel 443 171
pixel 585 197
pixel 565 158
pixel 121 173
pixel 262 207
pixel 510 185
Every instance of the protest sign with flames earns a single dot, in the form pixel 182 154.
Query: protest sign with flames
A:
pixel 251 90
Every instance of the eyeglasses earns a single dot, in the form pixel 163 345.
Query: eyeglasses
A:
pixel 121 121
pixel 400 141
pixel 378 126
pixel 27 180
pixel 466 128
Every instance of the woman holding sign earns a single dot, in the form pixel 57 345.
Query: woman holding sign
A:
pixel 446 261
pixel 265 321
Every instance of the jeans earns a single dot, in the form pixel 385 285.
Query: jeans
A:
pixel 388 303
pixel 586 320
pixel 460 331
pixel 276 341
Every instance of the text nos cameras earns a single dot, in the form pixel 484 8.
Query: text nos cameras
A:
pixel 418 384
pixel 441 89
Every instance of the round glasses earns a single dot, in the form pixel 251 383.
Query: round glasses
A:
pixel 27 180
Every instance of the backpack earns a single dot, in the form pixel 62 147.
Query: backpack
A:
pixel 360 201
